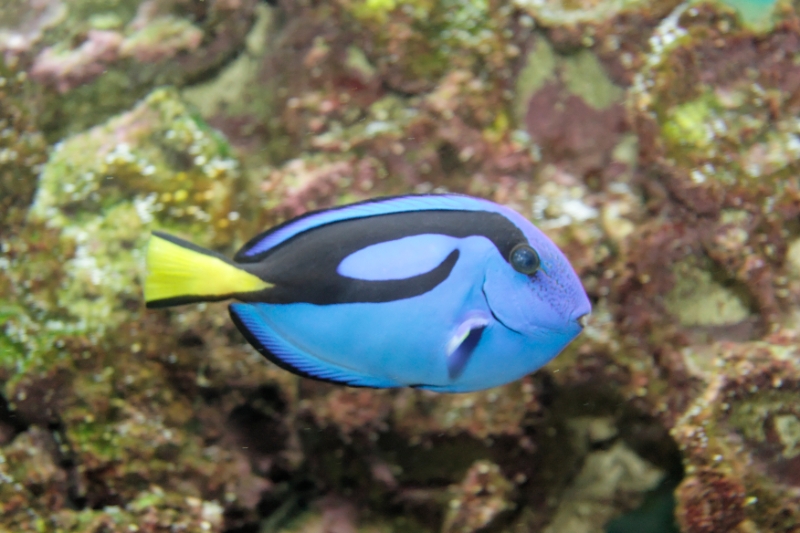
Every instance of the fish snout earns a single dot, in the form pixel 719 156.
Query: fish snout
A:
pixel 582 312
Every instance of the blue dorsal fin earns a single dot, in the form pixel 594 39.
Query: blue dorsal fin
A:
pixel 381 206
pixel 253 325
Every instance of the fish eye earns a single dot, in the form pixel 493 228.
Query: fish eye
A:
pixel 524 259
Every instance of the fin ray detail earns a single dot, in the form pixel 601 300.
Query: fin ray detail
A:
pixel 180 272
pixel 253 325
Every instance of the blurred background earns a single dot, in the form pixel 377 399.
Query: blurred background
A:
pixel 656 142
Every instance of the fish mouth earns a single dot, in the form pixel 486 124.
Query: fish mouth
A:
pixel 581 320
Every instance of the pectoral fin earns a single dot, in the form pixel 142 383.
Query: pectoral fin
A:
pixel 463 343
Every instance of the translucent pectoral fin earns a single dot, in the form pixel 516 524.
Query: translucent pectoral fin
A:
pixel 252 322
pixel 463 343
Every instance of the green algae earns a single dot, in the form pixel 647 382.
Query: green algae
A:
pixel 171 171
pixel 99 57
pixel 22 147
pixel 698 299
pixel 793 257
pixel 358 61
pixel 350 139
pixel 444 35
pixel 580 72
pixel 725 133
pixel 388 117
pixel 586 78
pixel 375 9
pixel 236 89
pixel 10 352
pixel 573 12
pixel 166 148
pixel 106 21
pixel 688 124
pixel 95 206
pixel 754 13
pixel 177 34
pixel 788 429
pixel 539 68
pixel 80 12
pixel 750 416
pixel 429 61
pixel 8 310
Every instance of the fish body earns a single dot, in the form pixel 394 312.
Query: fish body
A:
pixel 443 292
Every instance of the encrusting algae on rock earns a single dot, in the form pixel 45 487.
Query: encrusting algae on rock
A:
pixel 157 164
pixel 93 60
pixel 70 347
pixel 22 147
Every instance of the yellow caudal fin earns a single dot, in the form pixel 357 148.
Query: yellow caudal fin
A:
pixel 179 272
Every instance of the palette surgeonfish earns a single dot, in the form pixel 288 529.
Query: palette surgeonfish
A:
pixel 442 292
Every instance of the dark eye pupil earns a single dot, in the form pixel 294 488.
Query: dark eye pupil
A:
pixel 524 259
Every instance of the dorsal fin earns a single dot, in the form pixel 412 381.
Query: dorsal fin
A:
pixel 380 206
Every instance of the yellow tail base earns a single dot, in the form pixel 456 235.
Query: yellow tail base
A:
pixel 179 272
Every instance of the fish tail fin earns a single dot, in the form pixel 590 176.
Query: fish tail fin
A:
pixel 178 272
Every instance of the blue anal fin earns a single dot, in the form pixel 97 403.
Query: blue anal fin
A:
pixel 253 325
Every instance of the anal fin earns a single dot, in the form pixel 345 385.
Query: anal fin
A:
pixel 253 323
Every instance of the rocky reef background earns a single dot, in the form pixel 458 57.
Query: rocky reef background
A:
pixel 657 142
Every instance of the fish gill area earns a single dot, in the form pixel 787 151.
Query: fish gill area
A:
pixel 656 142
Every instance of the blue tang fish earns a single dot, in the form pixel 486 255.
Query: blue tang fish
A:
pixel 441 292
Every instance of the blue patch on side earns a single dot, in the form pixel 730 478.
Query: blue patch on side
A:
pixel 382 206
pixel 398 259
pixel 252 322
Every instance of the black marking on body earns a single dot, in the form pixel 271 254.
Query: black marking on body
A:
pixel 303 268
pixel 188 299
pixel 189 245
